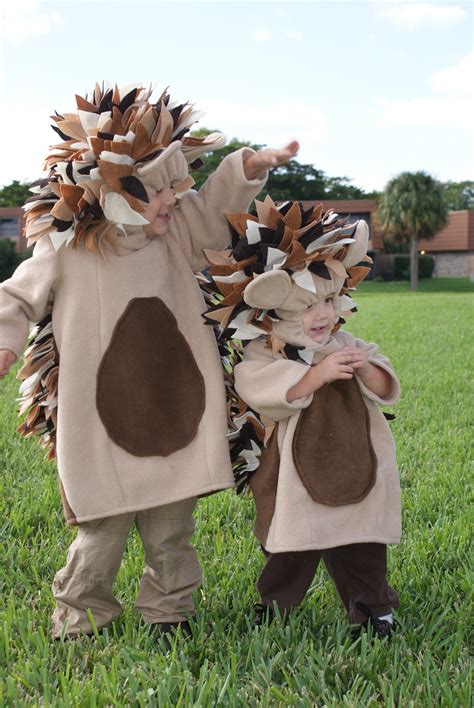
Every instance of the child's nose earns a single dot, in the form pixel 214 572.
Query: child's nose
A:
pixel 319 310
pixel 168 196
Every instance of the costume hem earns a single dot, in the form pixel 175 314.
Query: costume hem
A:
pixel 387 540
pixel 152 504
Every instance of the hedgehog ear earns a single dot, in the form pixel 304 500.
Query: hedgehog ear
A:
pixel 357 251
pixel 268 290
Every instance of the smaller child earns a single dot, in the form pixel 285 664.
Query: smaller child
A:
pixel 326 486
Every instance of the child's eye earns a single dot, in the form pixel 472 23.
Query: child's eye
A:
pixel 328 299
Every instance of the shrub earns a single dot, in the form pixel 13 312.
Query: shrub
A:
pixel 8 258
pixel 426 266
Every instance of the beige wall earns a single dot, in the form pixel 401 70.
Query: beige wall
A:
pixel 453 264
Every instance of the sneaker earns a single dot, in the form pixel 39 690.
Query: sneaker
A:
pixel 161 628
pixel 375 626
pixel 264 614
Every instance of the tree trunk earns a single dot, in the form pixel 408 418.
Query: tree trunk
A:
pixel 414 263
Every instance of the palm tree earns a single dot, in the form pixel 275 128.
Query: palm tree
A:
pixel 412 206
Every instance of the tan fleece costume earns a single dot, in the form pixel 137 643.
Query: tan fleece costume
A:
pixel 141 413
pixel 322 468
pixel 288 518
pixel 141 409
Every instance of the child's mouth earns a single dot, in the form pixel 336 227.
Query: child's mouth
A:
pixel 318 331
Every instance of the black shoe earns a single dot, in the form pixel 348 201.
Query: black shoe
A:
pixel 161 628
pixel 165 631
pixel 374 626
pixel 264 614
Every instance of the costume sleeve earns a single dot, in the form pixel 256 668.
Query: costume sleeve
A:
pixel 374 357
pixel 263 381
pixel 24 297
pixel 199 220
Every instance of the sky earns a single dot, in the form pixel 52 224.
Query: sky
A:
pixel 370 89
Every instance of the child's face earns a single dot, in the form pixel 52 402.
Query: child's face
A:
pixel 158 211
pixel 319 320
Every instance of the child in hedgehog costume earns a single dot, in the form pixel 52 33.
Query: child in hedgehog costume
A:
pixel 135 412
pixel 318 452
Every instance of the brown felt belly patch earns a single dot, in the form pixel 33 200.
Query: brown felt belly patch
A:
pixel 332 450
pixel 150 392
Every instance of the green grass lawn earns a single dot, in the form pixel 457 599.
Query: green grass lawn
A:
pixel 311 660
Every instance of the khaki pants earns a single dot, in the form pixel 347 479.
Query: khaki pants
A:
pixel 171 573
pixel 359 572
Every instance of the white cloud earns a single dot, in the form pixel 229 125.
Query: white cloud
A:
pixel 452 112
pixel 456 79
pixel 452 106
pixel 22 18
pixel 294 34
pixel 410 16
pixel 273 124
pixel 261 35
pixel 25 126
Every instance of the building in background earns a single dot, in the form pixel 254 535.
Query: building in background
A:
pixel 12 225
pixel 452 248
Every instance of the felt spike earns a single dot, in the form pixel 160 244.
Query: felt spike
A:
pixel 320 269
pixel 134 187
pixel 304 279
pixel 336 267
pixel 268 201
pixel 252 231
pixel 85 105
pixel 71 196
pixel 217 257
pixel 239 222
pixel 274 218
pixel 296 256
pixel 263 211
pixel 292 218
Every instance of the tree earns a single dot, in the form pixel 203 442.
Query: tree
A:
pixel 459 195
pixel 14 194
pixel 412 207
pixel 291 181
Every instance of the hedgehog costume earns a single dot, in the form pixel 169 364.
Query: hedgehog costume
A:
pixel 322 468
pixel 138 398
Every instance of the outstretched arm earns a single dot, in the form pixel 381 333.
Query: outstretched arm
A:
pixel 200 221
pixel 257 163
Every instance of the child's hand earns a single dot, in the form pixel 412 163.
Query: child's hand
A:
pixel 259 162
pixel 337 365
pixel 7 358
pixel 358 360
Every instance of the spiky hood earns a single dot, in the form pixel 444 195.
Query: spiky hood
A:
pixel 115 150
pixel 281 261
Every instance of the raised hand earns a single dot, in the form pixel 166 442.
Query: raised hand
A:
pixel 259 162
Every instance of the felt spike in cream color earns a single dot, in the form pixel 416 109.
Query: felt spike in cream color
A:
pixel 305 280
pixel 115 206
pixel 252 231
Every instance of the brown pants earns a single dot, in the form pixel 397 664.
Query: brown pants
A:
pixel 171 573
pixel 359 572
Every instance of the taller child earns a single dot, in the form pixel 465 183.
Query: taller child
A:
pixel 140 402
